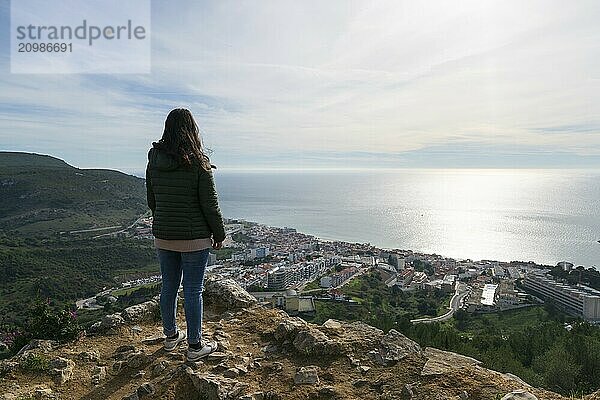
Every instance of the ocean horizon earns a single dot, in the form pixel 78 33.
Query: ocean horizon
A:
pixel 540 215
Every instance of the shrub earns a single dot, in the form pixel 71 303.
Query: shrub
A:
pixel 34 363
pixel 49 323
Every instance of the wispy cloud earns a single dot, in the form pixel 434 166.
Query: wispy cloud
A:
pixel 387 83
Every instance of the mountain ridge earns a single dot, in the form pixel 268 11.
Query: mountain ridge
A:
pixel 44 195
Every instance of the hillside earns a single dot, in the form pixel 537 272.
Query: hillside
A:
pixel 263 354
pixel 44 195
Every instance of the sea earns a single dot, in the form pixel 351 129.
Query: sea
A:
pixel 540 215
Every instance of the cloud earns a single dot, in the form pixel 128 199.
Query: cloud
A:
pixel 277 82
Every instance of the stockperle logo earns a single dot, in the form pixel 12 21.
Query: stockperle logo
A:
pixel 80 36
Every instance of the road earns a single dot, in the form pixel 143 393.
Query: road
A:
pixel 461 292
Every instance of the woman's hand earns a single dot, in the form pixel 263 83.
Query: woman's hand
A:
pixel 217 245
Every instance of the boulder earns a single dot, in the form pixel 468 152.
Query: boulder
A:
pixel 440 362
pixel 289 328
pixel 140 312
pixel 226 294
pixel 215 387
pixel 89 356
pixel 108 323
pixel 307 376
pixel 98 375
pixel 145 389
pixel 61 370
pixel 393 347
pixel 519 395
pixel 314 342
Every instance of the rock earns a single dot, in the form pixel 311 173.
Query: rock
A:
pixel 153 340
pixel 136 329
pixel 89 356
pixel 61 370
pixel 140 312
pixel 463 395
pixel 176 356
pixel 108 323
pixel 270 348
pixel 160 367
pixel 332 324
pixel 8 366
pixel 132 396
pixel 226 293
pixel 394 346
pixel 593 396
pixel 515 378
pixel 217 356
pixel 98 375
pixel 231 373
pixel 307 376
pixel 363 369
pixel 145 389
pixel 360 383
pixel 326 392
pixel 289 328
pixel 407 392
pixel 214 387
pixel 315 342
pixel 43 393
pixel 43 346
pixel 125 348
pixel 274 366
pixel 137 360
pixel 440 362
pixel 358 336
pixel 138 375
pixel 253 396
pixel 519 395
pixel 118 366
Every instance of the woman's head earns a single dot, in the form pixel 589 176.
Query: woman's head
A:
pixel 181 139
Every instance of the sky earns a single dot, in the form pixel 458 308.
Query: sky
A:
pixel 333 84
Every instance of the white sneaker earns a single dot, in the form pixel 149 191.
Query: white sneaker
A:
pixel 171 344
pixel 195 355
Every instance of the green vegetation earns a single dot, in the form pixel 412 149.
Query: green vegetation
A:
pixel 589 277
pixel 240 237
pixel 44 321
pixel 532 343
pixel 35 363
pixel 42 195
pixel 224 253
pixel 379 305
pixel 64 270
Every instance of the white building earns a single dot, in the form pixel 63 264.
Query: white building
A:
pixel 577 300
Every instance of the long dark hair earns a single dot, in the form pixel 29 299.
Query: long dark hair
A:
pixel 181 139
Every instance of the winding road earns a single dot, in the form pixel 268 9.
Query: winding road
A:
pixel 461 292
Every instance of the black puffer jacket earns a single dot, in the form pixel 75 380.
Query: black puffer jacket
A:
pixel 183 200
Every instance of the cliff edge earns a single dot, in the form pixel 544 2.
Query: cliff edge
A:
pixel 263 354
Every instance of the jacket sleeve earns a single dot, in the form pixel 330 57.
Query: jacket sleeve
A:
pixel 149 193
pixel 209 203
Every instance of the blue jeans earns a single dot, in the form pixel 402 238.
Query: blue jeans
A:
pixel 192 265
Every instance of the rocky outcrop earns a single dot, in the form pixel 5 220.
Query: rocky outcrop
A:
pixel 226 294
pixel 137 313
pixel 440 362
pixel 263 354
pixel 141 311
pixel 61 369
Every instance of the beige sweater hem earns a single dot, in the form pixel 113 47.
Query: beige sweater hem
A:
pixel 183 246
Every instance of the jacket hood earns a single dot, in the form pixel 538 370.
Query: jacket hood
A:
pixel 160 160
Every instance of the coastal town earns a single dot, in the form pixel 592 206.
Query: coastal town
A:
pixel 290 270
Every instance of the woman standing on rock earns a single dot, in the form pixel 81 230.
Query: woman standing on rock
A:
pixel 187 222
